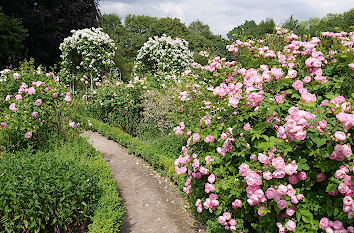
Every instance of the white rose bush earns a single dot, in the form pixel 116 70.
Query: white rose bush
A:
pixel 163 57
pixel 86 52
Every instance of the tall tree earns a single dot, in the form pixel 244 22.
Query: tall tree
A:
pixel 12 35
pixel 291 23
pixel 49 22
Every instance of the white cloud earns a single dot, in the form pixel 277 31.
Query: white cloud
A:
pixel 223 15
pixel 171 9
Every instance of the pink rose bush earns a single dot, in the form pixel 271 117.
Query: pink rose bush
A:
pixel 33 107
pixel 269 142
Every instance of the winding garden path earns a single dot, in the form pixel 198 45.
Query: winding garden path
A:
pixel 153 204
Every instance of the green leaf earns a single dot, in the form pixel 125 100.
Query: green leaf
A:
pixel 306 216
pixel 331 187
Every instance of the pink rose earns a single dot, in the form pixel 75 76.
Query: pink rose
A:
pixel 293 179
pixel 290 211
pixel 3 125
pixel 236 204
pixel 178 130
pixel 302 176
pixel 343 188
pixel 222 220
pixel 262 158
pixel 34 114
pixel 31 90
pixel 282 204
pixel 67 98
pixel 270 193
pixel 16 75
pixel 209 139
pixel 307 79
pixel 55 95
pixel 290 225
pixel 247 127
pixel 297 85
pixel 196 138
pixel 301 135
pixel 278 163
pixel 324 223
pixel 28 135
pixel 232 222
pixel 227 215
pixel 38 102
pixel 337 225
pixel 340 136
pixel 211 178
pixel 13 107
pixel 18 97
pixel 320 177
pixel 280 173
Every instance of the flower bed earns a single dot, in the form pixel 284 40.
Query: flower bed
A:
pixel 269 141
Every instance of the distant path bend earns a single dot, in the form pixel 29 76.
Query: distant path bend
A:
pixel 153 204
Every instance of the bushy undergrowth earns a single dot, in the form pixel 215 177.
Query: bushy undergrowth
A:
pixel 118 104
pixel 58 190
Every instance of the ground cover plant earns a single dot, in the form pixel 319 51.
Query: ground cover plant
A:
pixel 61 190
pixel 269 140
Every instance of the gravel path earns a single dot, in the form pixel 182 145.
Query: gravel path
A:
pixel 152 202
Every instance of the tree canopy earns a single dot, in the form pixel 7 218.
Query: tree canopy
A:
pixel 12 34
pixel 49 22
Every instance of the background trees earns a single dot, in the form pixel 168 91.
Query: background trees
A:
pixel 12 34
pixel 49 22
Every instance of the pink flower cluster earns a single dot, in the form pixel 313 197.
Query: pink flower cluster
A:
pixel 346 119
pixel 215 64
pixel 227 221
pixel 341 152
pixel 334 227
pixel 296 123
pixel 179 129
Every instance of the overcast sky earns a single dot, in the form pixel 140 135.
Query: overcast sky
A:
pixel 223 15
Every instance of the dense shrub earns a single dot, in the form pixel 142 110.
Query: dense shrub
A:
pixel 58 191
pixel 157 110
pixel 34 107
pixel 118 104
pixel 269 141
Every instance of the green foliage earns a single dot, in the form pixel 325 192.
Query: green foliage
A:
pixel 58 190
pixel 250 29
pixel 331 22
pixel 119 104
pixel 12 34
